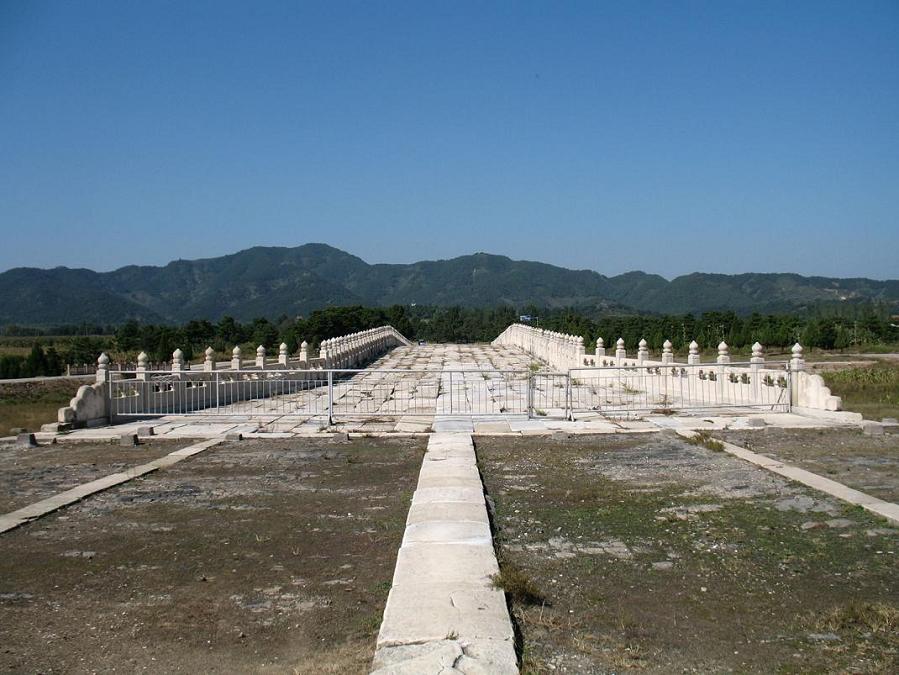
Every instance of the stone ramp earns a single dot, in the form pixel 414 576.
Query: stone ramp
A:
pixel 443 614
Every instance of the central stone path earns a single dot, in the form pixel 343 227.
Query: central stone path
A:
pixel 443 614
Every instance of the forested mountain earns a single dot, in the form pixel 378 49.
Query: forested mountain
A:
pixel 273 281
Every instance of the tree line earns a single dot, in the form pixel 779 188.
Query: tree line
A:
pixel 859 329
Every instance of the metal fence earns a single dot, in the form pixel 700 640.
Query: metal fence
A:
pixel 373 393
pixel 680 387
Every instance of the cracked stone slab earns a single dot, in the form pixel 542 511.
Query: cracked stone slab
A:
pixel 430 612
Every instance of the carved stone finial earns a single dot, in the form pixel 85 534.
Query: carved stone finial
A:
pixel 143 360
pixel 209 352
pixel 667 356
pixel 723 354
pixel 757 350
pixel 693 356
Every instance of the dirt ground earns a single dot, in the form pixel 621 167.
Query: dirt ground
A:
pixel 647 553
pixel 28 475
pixel 866 463
pixel 255 556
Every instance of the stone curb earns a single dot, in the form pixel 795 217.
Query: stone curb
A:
pixel 879 507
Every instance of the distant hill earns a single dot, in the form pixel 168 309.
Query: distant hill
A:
pixel 270 281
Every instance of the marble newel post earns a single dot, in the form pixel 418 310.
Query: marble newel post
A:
pixel 642 352
pixel 304 352
pixel 600 349
pixel 579 352
pixel 142 361
pixel 177 361
pixel 282 354
pixel 209 361
pixel 102 368
pixel 667 356
pixel 235 358
pixel 755 365
pixel 260 357
pixel 693 358
pixel 722 360
pixel 620 353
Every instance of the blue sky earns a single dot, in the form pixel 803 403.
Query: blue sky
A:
pixel 668 137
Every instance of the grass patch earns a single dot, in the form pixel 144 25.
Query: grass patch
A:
pixel 704 438
pixel 517 585
pixel 874 617
pixel 29 405
pixel 872 391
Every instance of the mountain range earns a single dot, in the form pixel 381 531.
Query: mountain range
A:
pixel 271 281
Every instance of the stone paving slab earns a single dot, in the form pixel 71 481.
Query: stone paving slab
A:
pixel 465 532
pixel 454 512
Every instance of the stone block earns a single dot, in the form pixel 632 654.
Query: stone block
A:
pixel 145 432
pixel 128 440
pixel 234 436
pixel 755 422
pixel 447 533
pixel 445 563
pixel 26 440
pixel 453 512
pixel 55 427
pixel 870 428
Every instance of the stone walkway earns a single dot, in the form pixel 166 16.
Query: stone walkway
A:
pixel 443 614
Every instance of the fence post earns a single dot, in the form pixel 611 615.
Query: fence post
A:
pixel 569 413
pixel 529 396
pixel 330 397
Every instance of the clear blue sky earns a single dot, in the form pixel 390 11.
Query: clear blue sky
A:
pixel 670 137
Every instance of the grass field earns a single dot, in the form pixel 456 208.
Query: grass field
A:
pixel 872 390
pixel 28 405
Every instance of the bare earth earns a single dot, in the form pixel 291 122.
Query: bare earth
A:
pixel 259 556
pixel 646 553
pixel 30 475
